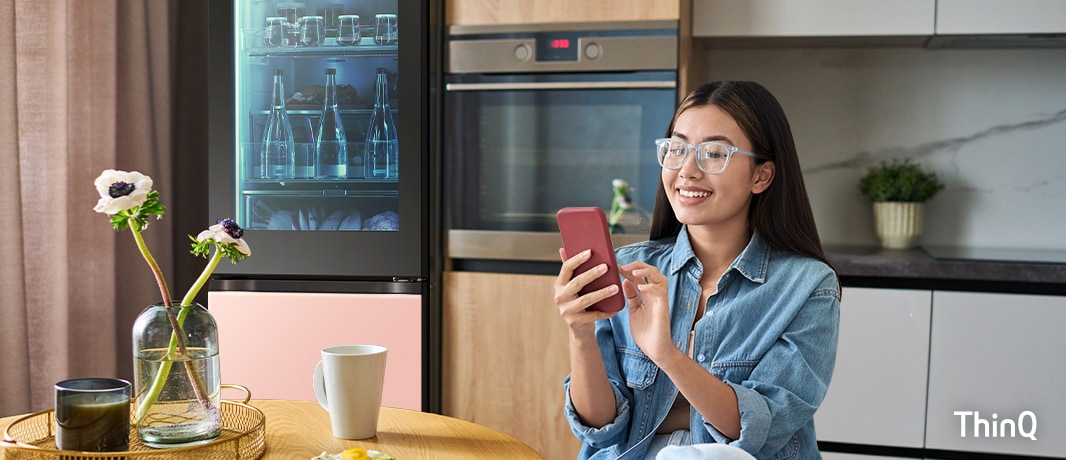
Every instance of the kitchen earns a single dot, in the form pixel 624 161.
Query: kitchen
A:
pixel 852 101
pixel 862 84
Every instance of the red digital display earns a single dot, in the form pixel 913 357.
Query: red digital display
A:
pixel 557 47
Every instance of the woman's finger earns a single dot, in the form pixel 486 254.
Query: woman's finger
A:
pixel 630 292
pixel 566 273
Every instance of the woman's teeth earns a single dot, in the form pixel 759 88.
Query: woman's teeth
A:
pixel 693 194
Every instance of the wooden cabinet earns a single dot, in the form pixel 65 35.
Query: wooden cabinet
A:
pixel 877 395
pixel 998 355
pixel 1000 17
pixel 811 18
pixel 505 356
pixel 484 12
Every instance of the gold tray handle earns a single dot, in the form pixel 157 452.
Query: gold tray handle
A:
pixel 247 392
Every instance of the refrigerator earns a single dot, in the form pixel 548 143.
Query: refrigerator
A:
pixel 334 201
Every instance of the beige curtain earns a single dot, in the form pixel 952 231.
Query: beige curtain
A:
pixel 84 86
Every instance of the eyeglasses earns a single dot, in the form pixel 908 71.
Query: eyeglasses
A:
pixel 711 157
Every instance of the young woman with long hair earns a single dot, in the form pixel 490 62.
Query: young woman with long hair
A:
pixel 732 310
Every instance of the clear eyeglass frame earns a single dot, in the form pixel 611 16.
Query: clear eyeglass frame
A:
pixel 711 157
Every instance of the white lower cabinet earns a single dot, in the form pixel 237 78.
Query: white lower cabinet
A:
pixel 999 359
pixel 877 395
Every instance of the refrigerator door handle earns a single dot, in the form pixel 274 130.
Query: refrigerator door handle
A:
pixel 533 86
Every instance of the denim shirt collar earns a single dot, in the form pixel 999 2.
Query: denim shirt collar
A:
pixel 752 262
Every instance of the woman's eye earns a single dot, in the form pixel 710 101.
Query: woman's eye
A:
pixel 677 152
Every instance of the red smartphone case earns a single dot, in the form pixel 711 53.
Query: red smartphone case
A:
pixel 586 228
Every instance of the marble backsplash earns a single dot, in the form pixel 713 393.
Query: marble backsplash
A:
pixel 991 123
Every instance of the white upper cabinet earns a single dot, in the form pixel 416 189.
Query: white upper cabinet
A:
pixel 959 17
pixel 812 18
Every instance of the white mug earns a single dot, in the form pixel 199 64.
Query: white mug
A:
pixel 348 383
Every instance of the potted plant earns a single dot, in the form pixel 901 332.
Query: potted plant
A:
pixel 899 189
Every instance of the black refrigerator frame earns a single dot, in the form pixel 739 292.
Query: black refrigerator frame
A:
pixel 410 261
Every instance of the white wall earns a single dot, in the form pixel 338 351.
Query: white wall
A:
pixel 991 123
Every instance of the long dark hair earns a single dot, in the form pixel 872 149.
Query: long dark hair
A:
pixel 782 213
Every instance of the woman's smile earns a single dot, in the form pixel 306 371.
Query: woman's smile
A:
pixel 690 195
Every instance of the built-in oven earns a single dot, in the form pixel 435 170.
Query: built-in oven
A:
pixel 538 118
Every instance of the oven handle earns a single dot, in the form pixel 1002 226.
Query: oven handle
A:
pixel 560 85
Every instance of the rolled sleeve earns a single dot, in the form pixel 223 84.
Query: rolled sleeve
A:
pixel 784 390
pixel 755 419
pixel 606 435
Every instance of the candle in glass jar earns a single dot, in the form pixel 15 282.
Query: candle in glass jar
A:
pixel 92 415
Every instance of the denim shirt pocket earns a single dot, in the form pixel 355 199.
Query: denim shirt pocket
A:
pixel 790 451
pixel 639 370
pixel 733 371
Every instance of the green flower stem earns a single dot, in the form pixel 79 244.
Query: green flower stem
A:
pixel 204 276
pixel 176 342
pixel 151 263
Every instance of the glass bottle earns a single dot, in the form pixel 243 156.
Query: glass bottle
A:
pixel 277 159
pixel 382 148
pixel 176 382
pixel 331 146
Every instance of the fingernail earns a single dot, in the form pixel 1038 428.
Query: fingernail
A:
pixel 602 268
pixel 613 289
pixel 586 252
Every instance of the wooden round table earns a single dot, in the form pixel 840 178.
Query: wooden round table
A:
pixel 301 430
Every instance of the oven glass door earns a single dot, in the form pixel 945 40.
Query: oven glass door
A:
pixel 519 148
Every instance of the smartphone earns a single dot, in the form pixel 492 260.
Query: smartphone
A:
pixel 586 228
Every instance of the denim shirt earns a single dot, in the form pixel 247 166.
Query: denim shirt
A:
pixel 770 332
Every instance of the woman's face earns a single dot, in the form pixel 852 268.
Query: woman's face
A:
pixel 699 198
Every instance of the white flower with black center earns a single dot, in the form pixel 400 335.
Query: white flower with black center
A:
pixel 121 191
pixel 226 233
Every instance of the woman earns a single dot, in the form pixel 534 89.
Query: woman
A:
pixel 730 330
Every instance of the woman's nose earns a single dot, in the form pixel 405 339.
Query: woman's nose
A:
pixel 689 169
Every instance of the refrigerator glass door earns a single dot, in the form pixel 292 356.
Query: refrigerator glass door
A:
pixel 308 82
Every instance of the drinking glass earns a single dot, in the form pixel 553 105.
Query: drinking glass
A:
pixel 277 34
pixel 385 29
pixel 330 12
pixel 312 31
pixel 291 11
pixel 348 31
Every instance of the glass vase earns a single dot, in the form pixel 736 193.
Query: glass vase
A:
pixel 176 376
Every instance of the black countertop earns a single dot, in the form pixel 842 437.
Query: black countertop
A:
pixel 952 270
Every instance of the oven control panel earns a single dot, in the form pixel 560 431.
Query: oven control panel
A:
pixel 651 45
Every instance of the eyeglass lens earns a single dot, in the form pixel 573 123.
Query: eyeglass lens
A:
pixel 710 157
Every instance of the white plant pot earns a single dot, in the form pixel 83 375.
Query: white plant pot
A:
pixel 898 224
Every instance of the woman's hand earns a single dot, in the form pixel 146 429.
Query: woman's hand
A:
pixel 648 295
pixel 572 305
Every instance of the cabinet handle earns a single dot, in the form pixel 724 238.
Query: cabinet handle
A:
pixel 560 85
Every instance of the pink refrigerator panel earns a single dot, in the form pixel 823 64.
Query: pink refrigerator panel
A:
pixel 270 342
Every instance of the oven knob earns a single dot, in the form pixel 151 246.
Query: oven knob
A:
pixel 522 52
pixel 593 51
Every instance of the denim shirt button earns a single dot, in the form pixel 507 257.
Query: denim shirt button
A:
pixel 700 358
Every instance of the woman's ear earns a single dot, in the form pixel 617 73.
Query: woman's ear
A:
pixel 763 177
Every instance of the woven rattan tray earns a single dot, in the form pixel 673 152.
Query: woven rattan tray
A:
pixel 242 438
